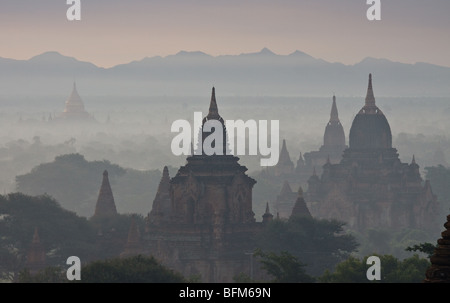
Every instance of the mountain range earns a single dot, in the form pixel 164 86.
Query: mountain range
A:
pixel 262 73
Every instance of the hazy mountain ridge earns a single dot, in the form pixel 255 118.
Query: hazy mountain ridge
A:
pixel 193 73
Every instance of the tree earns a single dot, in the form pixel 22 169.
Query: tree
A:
pixel 393 270
pixel 75 182
pixel 136 269
pixel 320 244
pixel 285 268
pixel 62 233
pixel 426 248
pixel 51 274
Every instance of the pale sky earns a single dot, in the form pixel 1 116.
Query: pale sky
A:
pixel 113 32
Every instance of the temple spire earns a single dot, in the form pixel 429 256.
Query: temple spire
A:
pixel 334 117
pixel 284 154
pixel 300 208
pixel 370 98
pixel 36 259
pixel 267 217
pixel 105 206
pixel 213 110
pixel 133 245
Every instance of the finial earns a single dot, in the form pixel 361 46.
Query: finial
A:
pixel 267 208
pixel 334 117
pixel 105 173
pixel 370 98
pixel 213 110
pixel 413 159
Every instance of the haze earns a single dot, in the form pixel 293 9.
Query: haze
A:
pixel 115 32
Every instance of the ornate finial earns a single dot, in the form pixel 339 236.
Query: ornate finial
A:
pixel 213 110
pixel 334 117
pixel 370 98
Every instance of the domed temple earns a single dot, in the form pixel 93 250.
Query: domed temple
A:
pixel 370 187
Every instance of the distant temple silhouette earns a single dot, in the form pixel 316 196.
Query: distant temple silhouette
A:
pixel 202 220
pixel 370 187
pixel 74 109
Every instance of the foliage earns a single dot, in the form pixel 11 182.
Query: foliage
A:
pixel 51 274
pixel 320 244
pixel 393 270
pixel 285 268
pixel 136 269
pixel 426 248
pixel 75 183
pixel 61 232
pixel 387 242
pixel 112 233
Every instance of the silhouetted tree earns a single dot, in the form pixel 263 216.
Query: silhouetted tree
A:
pixel 393 270
pixel 285 268
pixel 136 269
pixel 320 244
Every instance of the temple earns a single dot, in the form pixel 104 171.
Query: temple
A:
pixel 202 222
pixel 105 207
pixel 36 259
pixel 74 108
pixel 370 187
pixel 439 271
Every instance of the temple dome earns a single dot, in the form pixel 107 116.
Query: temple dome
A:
pixel 370 128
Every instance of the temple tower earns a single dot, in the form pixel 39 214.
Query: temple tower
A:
pixel 134 245
pixel 36 259
pixel 105 207
pixel 370 187
pixel 74 107
pixel 285 165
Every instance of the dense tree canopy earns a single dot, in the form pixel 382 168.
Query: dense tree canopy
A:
pixel 61 232
pixel 320 244
pixel 136 269
pixel 75 182
pixel 284 268
pixel 393 270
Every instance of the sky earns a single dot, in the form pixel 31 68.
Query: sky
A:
pixel 113 32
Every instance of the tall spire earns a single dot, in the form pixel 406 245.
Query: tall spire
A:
pixel 133 245
pixel 284 154
pixel 36 259
pixel 370 98
pixel 300 208
pixel 213 110
pixel 105 206
pixel 334 117
pixel 286 189
pixel 36 238
pixel 267 217
pixel 161 208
